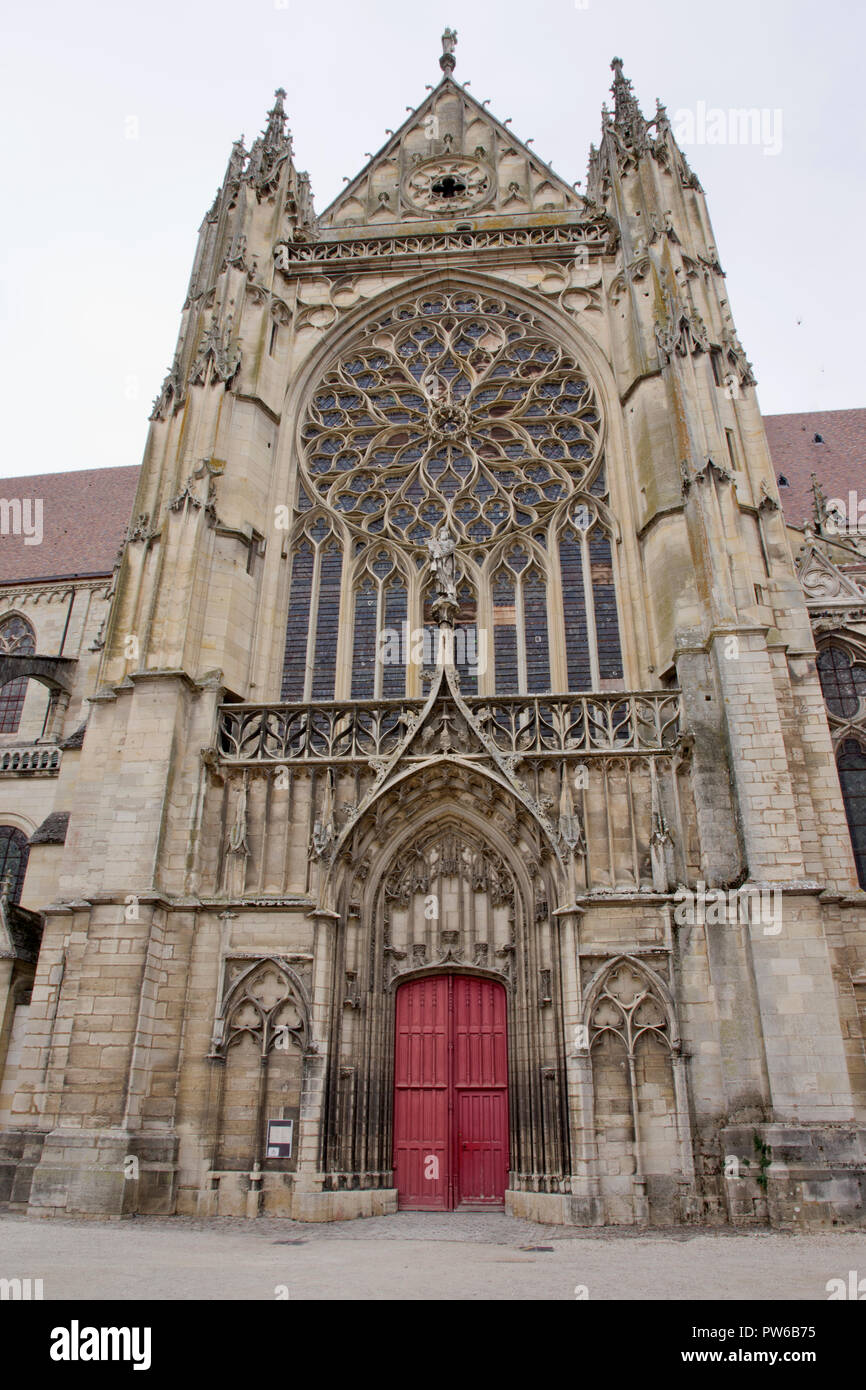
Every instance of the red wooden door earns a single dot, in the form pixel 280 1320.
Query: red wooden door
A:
pixel 481 1091
pixel 421 1094
pixel 451 1093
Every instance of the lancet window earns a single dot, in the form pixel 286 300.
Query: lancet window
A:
pixel 312 630
pixel 843 683
pixel 16 635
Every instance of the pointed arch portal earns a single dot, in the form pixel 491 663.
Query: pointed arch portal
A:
pixel 451 1093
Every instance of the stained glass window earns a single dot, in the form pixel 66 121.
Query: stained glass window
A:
pixel 852 778
pixel 459 411
pixel 14 852
pixel 16 636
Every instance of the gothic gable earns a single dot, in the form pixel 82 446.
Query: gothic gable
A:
pixel 824 583
pixel 450 159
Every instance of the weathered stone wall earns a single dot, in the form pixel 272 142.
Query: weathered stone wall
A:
pixel 227 925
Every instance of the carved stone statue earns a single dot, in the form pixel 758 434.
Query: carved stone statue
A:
pixel 448 62
pixel 443 566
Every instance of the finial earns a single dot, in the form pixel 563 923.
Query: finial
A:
pixel 449 42
pixel 274 132
pixel 626 112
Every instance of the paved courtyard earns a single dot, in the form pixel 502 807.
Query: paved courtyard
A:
pixel 416 1255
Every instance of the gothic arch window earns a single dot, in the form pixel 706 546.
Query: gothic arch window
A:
pixel 14 853
pixel 18 637
pixel 379 634
pixel 843 681
pixel 310 658
pixel 459 410
pixel 843 684
pixel 592 641
pixel 521 646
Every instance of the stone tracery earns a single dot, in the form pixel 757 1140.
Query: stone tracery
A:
pixel 455 415
pixel 458 410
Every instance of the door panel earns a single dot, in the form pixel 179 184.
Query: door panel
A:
pixel 481 1055
pixel 451 1097
pixel 421 1095
pixel 482 1140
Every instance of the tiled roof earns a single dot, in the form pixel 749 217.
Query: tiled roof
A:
pixel 838 459
pixel 85 515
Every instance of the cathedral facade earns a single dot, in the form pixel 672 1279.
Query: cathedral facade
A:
pixel 449 813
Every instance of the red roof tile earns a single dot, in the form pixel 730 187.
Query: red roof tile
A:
pixel 839 462
pixel 85 515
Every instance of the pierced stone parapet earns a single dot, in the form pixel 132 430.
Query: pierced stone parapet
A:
pixel 356 731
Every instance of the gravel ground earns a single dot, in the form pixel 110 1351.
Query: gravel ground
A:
pixel 416 1255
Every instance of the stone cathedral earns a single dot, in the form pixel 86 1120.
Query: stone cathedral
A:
pixel 449 812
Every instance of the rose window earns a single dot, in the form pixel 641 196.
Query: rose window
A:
pixel 458 411
pixel 455 411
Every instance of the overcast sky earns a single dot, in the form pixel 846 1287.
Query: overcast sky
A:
pixel 99 229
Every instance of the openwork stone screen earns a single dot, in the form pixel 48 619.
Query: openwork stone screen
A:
pixel 454 411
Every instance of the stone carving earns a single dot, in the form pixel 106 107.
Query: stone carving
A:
pixel 217 359
pixel 450 854
pixel 634 273
pixel 443 567
pixel 141 530
pixel 188 498
pixel 823 581
pixel 324 829
pixel 448 61
pixel 682 332
pixel 627 1003
pixel 570 824
pixel 237 840
pixel 55 593
pixel 595 234
pixel 270 151
pixel 734 358
pixel 171 394
pixel 98 643
pixel 438 461
pixel 264 999
pixel 322 299
pixel 448 186
pixel 703 474
pixel 768 502
pixel 519 727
